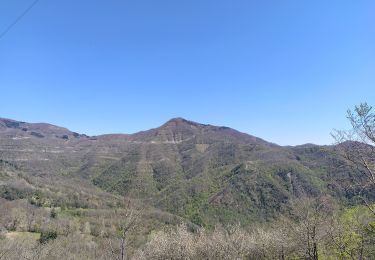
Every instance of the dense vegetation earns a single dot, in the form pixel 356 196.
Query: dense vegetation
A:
pixel 183 191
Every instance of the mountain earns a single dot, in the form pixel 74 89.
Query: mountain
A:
pixel 22 129
pixel 203 173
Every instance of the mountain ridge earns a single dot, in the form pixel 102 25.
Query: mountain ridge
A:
pixel 175 122
pixel 203 173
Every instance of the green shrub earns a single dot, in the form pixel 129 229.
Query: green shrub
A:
pixel 45 236
pixel 53 213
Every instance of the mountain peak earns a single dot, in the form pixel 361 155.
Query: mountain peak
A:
pixel 180 121
pixel 174 130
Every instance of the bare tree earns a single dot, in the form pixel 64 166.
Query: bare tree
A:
pixel 309 222
pixel 30 217
pixel 357 147
pixel 130 222
pixel 127 222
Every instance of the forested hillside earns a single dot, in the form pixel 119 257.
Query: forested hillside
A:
pixel 217 191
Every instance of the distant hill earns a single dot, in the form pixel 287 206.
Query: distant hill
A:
pixel 204 173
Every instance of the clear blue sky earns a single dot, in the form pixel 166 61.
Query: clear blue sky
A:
pixel 285 71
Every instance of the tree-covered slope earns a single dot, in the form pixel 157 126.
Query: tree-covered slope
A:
pixel 204 173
